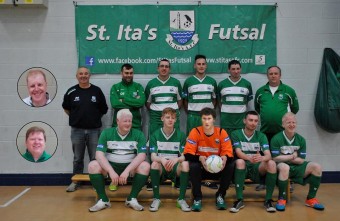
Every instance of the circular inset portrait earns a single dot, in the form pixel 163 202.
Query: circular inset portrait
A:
pixel 37 87
pixel 37 141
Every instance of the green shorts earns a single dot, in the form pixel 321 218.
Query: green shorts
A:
pixel 171 175
pixel 120 167
pixel 296 173
pixel 252 172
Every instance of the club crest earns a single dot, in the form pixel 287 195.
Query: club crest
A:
pixel 182 30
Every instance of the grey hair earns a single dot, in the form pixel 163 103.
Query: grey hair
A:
pixel 124 112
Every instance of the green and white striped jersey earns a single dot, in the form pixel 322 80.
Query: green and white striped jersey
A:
pixel 199 92
pixel 162 94
pixel 167 147
pixel 121 149
pixel 249 145
pixel 234 97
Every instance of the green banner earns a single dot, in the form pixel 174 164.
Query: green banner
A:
pixel 111 35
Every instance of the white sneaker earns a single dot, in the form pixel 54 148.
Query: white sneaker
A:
pixel 183 205
pixel 72 187
pixel 133 203
pixel 99 206
pixel 155 205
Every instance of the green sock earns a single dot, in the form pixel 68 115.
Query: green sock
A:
pixel 98 183
pixel 138 182
pixel 155 180
pixel 240 176
pixel 270 184
pixel 282 184
pixel 184 177
pixel 314 183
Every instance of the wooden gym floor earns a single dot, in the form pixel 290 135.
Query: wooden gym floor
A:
pixel 52 203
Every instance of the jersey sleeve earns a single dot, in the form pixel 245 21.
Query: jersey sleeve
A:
pixel 257 101
pixel 153 144
pixel 102 102
pixel 102 141
pixel 226 147
pixel 191 144
pixel 141 142
pixel 66 101
pixel 275 146
pixel 264 144
pixel 302 152
pixel 182 142
pixel 235 140
pixel 294 103
pixel 214 94
pixel 185 90
pixel 180 91
pixel 250 95
pixel 147 93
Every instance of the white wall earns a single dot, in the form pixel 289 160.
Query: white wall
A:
pixel 46 38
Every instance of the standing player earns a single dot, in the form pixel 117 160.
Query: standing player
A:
pixel 289 152
pixel 202 142
pixel 199 91
pixel 166 147
pixel 251 164
pixel 128 94
pixel 234 93
pixel 120 155
pixel 161 92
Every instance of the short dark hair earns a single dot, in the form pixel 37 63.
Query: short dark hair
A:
pixel 274 66
pixel 126 66
pixel 164 59
pixel 35 129
pixel 199 56
pixel 251 112
pixel 208 111
pixel 233 62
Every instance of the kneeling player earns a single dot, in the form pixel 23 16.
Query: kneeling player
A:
pixel 120 154
pixel 166 147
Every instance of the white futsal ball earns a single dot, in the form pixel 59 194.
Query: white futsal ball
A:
pixel 214 163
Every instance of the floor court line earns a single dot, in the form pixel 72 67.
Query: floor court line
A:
pixel 15 198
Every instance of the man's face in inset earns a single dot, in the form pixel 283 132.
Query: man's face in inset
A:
pixel 37 86
pixel 35 143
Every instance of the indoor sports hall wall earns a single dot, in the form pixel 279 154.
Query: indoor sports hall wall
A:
pixel 45 37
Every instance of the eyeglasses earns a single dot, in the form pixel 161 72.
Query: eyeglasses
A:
pixel 163 66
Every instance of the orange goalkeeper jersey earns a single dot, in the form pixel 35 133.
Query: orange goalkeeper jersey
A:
pixel 198 143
